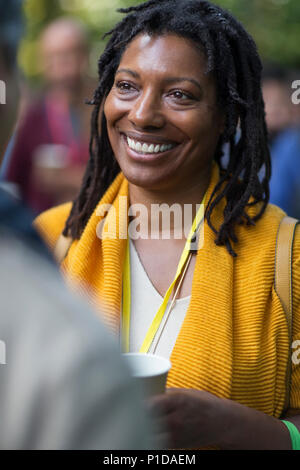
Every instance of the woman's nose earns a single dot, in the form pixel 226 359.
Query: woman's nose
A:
pixel 147 112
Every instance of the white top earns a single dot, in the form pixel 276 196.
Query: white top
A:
pixel 145 301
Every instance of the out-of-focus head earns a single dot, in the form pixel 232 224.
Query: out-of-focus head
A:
pixel 11 28
pixel 277 97
pixel 64 52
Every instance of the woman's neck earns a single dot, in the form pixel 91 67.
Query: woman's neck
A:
pixel 181 200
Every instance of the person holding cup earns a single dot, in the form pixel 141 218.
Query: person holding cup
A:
pixel 176 81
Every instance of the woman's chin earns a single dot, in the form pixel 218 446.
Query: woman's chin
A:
pixel 148 180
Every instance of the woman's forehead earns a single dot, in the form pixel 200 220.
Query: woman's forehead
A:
pixel 164 52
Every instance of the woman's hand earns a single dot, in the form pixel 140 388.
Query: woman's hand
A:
pixel 189 418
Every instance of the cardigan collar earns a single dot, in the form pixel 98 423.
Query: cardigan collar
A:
pixel 100 263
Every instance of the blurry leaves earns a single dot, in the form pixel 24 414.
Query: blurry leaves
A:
pixel 274 24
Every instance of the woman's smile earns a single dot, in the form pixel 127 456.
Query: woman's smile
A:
pixel 147 148
pixel 162 120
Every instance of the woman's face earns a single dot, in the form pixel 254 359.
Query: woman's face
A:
pixel 162 119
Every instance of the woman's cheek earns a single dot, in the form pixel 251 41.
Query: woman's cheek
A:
pixel 114 108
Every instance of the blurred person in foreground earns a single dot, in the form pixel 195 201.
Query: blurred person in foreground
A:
pixel 62 383
pixel 284 139
pixel 51 145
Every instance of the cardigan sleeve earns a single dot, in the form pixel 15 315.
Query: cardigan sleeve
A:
pixel 51 223
pixel 295 379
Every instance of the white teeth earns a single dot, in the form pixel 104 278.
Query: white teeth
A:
pixel 147 148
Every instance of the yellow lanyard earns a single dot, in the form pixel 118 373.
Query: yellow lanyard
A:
pixel 161 311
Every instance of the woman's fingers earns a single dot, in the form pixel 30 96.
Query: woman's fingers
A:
pixel 160 405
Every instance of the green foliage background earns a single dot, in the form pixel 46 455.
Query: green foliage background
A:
pixel 274 24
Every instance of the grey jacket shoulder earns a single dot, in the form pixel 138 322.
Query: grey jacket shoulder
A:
pixel 62 382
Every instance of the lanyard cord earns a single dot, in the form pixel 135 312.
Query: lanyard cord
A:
pixel 180 273
pixel 173 300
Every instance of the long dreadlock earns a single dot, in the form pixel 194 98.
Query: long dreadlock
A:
pixel 232 56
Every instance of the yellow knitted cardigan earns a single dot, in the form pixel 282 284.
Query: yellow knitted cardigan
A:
pixel 234 339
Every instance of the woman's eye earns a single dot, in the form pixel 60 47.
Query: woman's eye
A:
pixel 124 87
pixel 181 95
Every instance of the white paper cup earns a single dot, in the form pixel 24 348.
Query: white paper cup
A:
pixel 149 370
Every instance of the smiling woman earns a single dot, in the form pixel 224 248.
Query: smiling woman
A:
pixel 162 119
pixel 177 79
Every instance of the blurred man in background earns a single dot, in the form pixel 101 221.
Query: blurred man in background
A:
pixel 62 382
pixel 284 133
pixel 9 36
pixel 51 146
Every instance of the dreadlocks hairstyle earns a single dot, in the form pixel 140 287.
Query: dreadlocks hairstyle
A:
pixel 233 59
